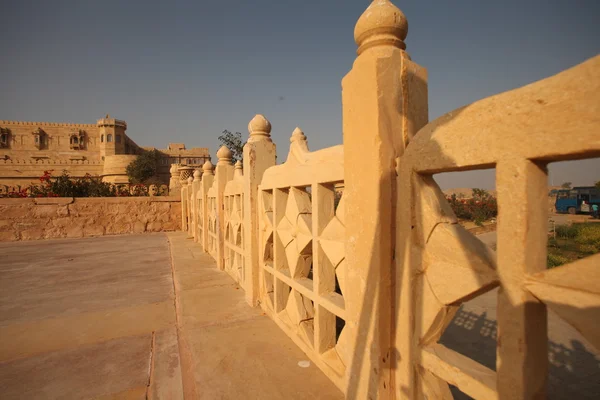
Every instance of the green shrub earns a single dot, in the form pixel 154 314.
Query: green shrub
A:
pixel 554 260
pixel 566 231
pixel 588 234
pixel 88 186
pixel 588 249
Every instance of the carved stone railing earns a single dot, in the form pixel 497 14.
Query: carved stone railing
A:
pixel 519 133
pixel 233 199
pixel 367 283
pixel 303 272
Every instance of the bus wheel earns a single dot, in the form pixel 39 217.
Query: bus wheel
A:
pixel 571 210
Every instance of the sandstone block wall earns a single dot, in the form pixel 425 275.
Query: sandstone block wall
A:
pixel 50 218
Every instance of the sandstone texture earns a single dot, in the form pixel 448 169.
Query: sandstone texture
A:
pixel 34 219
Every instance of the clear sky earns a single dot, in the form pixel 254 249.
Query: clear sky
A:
pixel 183 71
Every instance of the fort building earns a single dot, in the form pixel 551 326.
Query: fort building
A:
pixel 27 149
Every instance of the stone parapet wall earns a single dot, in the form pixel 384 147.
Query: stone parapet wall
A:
pixel 50 218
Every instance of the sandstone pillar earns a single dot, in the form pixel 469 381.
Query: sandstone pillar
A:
pixel 184 207
pixel 259 154
pixel 205 184
pixel 190 204
pixel 223 174
pixel 384 103
pixel 195 208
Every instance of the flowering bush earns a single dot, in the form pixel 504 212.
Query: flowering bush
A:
pixel 87 186
pixel 479 208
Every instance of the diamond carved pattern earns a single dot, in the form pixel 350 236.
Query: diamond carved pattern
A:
pixel 295 231
pixel 332 242
pixel 301 313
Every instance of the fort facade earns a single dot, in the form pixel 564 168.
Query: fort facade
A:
pixel 27 149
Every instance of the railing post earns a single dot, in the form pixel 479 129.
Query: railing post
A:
pixel 384 99
pixel 184 207
pixel 223 174
pixel 194 208
pixel 190 205
pixel 259 154
pixel 206 183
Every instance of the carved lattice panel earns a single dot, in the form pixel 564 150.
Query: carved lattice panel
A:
pixel 234 236
pixel 303 269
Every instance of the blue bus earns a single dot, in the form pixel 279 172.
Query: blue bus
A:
pixel 572 200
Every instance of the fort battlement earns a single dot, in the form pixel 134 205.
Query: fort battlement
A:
pixel 57 124
pixel 51 162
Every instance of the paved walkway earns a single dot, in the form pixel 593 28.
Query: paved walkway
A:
pixel 100 318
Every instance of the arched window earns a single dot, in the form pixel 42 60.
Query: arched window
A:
pixel 118 137
pixel 108 138
pixel 74 140
pixel 101 138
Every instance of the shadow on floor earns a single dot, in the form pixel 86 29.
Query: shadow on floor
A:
pixel 574 372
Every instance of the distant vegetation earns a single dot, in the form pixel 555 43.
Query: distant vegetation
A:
pixel 233 141
pixel 88 186
pixel 566 185
pixel 481 207
pixel 144 169
pixel 573 242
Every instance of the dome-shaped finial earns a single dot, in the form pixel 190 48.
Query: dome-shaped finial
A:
pixel 259 128
pixel 238 171
pixel 197 175
pixel 207 167
pixel 173 169
pixel 224 154
pixel 297 135
pixel 382 23
pixel 190 180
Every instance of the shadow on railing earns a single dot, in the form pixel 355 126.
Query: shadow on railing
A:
pixel 574 372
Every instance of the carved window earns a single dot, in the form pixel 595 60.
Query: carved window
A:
pixel 4 138
pixel 77 140
pixel 118 138
pixel 109 138
pixel 101 138
pixel 40 139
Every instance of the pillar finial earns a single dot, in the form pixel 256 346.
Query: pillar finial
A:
pixel 197 175
pixel 238 171
pixel 224 155
pixel 207 168
pixel 259 128
pixel 382 24
pixel 297 135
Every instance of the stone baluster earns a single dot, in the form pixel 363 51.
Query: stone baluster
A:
pixel 384 103
pixel 259 154
pixel 206 183
pixel 223 174
pixel 197 177
pixel 184 205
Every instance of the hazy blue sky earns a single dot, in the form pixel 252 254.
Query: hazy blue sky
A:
pixel 183 71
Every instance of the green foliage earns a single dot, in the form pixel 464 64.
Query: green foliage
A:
pixel 555 260
pixel 88 186
pixel 597 184
pixel 573 242
pixel 233 141
pixel 144 167
pixel 566 231
pixel 588 234
pixel 566 185
pixel 480 208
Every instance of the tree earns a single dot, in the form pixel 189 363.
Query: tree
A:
pixel 233 141
pixel 144 167
pixel 566 185
pixel 597 184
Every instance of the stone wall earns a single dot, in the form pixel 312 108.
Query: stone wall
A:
pixel 50 218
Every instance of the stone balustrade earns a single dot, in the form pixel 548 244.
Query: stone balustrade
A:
pixel 355 253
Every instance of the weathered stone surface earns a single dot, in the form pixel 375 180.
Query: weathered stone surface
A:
pixel 24 219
